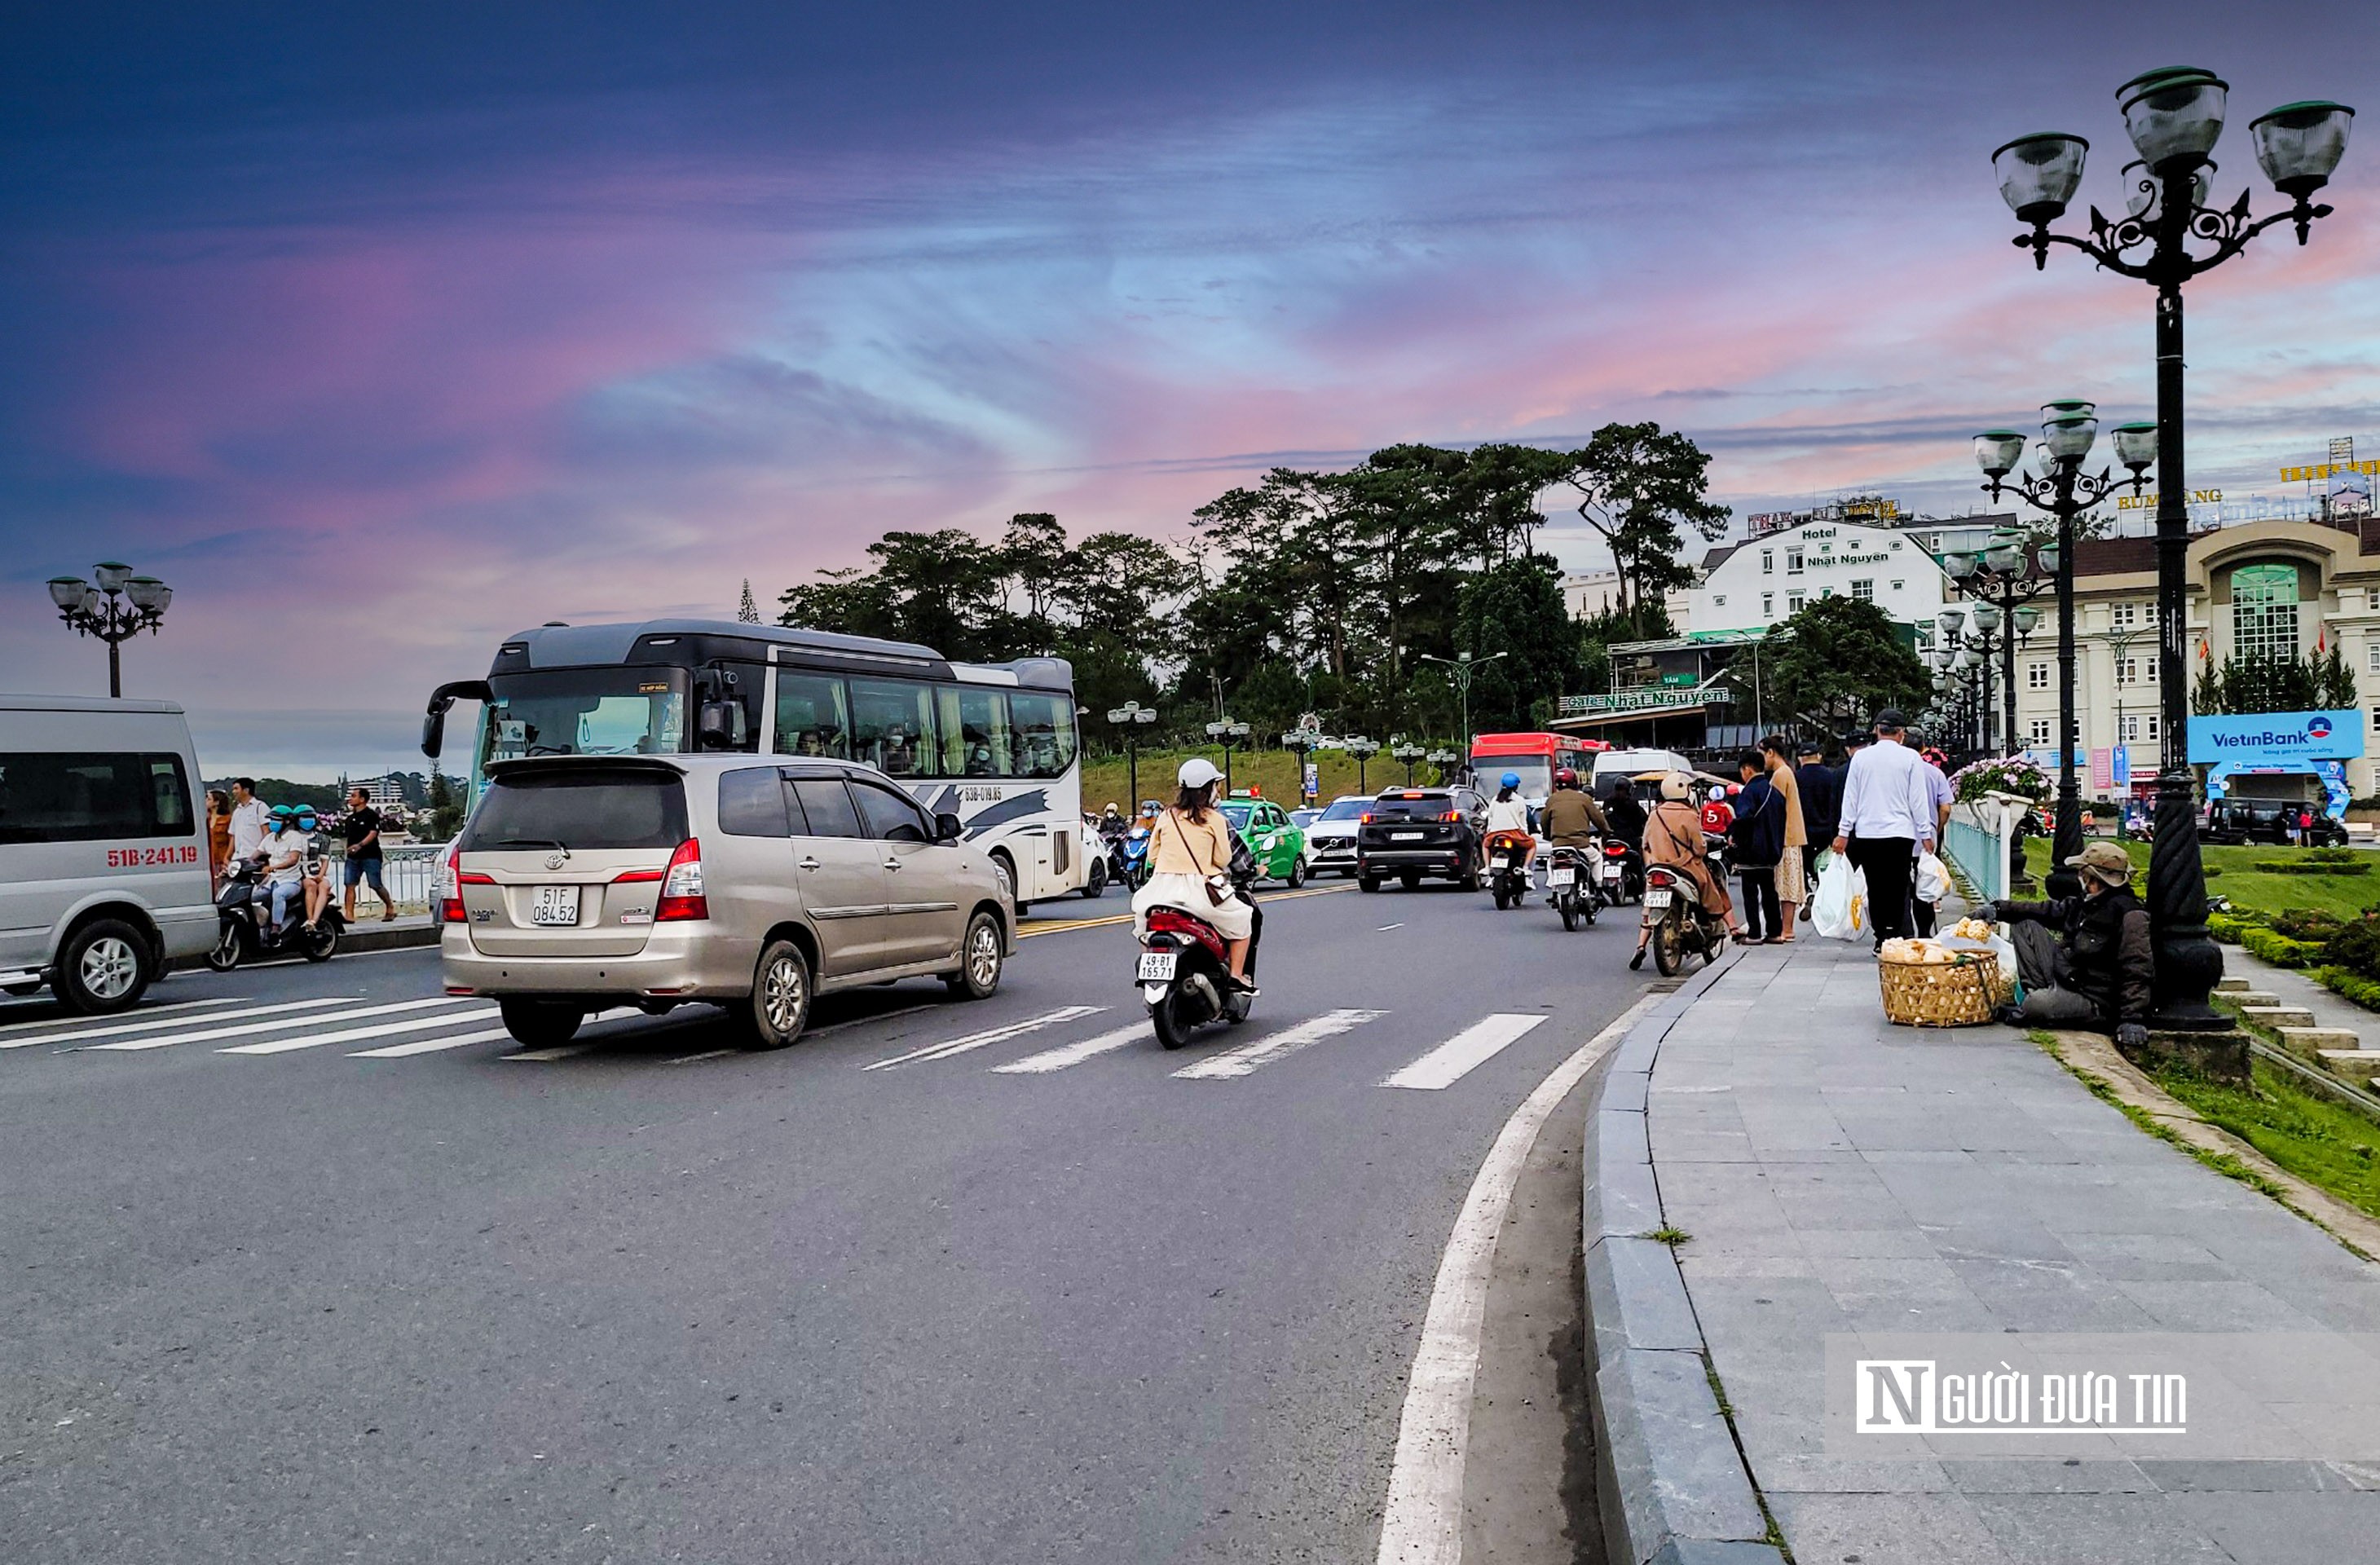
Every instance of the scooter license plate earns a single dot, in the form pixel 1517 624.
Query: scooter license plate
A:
pixel 1656 900
pixel 1157 966
pixel 555 904
pixel 1561 877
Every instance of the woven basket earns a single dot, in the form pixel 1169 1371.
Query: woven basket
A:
pixel 1959 993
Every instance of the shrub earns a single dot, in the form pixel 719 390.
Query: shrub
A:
pixel 2279 950
pixel 2226 927
pixel 2311 866
pixel 2308 924
pixel 2356 948
pixel 2350 985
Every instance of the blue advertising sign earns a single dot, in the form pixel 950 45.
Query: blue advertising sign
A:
pixel 2277 741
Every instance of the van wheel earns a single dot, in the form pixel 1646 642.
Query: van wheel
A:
pixel 774 1015
pixel 979 974
pixel 104 967
pixel 540 1023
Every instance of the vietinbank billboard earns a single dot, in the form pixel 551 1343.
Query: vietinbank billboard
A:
pixel 2266 743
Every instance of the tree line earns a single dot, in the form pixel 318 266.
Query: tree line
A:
pixel 1328 592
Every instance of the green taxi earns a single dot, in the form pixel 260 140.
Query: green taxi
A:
pixel 1278 842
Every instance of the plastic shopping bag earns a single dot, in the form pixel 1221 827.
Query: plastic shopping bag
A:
pixel 1933 878
pixel 2005 949
pixel 1839 911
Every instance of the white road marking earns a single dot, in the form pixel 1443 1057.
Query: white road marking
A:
pixel 809 1033
pixel 1067 1054
pixel 1463 1053
pixel 1248 1056
pixel 1386 928
pixel 354 1034
pixel 990 1036
pixel 539 1056
pixel 1423 1521
pixel 116 1028
pixel 327 1012
pixel 429 1045
pixel 72 1023
pixel 706 1054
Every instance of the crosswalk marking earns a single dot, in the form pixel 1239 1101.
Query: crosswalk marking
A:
pixel 1465 1051
pixel 990 1036
pixel 429 1045
pixel 70 1022
pixel 111 1029
pixel 1244 1059
pixel 330 1011
pixel 1067 1054
pixel 356 1035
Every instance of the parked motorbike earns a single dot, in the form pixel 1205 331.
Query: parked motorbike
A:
pixel 1681 927
pixel 1184 968
pixel 1624 873
pixel 243 918
pixel 1507 875
pixel 1571 890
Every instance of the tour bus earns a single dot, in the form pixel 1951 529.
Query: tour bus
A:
pixel 1535 756
pixel 993 744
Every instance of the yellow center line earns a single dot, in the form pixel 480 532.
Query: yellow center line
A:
pixel 1030 931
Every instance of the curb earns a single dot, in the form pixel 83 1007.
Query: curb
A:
pixel 400 935
pixel 1674 1488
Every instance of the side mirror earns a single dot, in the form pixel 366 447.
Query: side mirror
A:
pixel 433 733
pixel 948 827
pixel 715 726
pixel 434 726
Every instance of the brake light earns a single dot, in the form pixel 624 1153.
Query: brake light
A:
pixel 452 879
pixel 681 897
pixel 1451 815
pixel 1366 819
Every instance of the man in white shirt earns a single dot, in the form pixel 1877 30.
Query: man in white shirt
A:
pixel 250 819
pixel 1888 814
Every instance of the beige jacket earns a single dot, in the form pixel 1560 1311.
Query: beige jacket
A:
pixel 1781 777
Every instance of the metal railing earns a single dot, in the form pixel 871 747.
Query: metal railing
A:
pixel 1980 842
pixel 409 871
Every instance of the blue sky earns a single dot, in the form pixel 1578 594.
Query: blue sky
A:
pixel 393 331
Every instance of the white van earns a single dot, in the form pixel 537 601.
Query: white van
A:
pixel 103 874
pixel 1609 764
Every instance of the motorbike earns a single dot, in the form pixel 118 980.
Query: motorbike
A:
pixel 1128 857
pixel 1571 890
pixel 1508 876
pixel 243 918
pixel 1681 927
pixel 1184 967
pixel 1622 873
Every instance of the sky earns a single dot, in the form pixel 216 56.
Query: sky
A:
pixel 383 332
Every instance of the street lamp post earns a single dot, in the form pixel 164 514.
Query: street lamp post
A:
pixel 1408 753
pixel 1442 759
pixel 2063 489
pixel 1300 742
pixel 2167 236
pixel 1362 749
pixel 94 610
pixel 2004 582
pixel 1227 730
pixel 1131 717
pixel 1463 666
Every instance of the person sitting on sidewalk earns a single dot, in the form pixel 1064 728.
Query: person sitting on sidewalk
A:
pixel 2100 977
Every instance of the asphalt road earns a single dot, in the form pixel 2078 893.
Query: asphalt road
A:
pixel 349 1280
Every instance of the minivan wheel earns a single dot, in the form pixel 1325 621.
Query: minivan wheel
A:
pixel 779 1007
pixel 979 974
pixel 540 1023
pixel 104 967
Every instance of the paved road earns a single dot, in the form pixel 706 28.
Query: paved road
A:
pixel 311 1264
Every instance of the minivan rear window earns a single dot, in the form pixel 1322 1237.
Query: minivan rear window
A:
pixel 88 796
pixel 581 810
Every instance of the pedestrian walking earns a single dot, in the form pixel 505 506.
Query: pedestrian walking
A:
pixel 1939 789
pixel 1821 789
pixel 218 835
pixel 1758 837
pixel 364 857
pixel 1777 765
pixel 1887 817
pixel 250 819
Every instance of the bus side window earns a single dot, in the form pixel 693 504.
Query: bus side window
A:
pixel 1045 732
pixel 976 740
pixel 892 727
pixel 811 717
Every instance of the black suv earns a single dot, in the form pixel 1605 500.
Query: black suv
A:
pixel 1410 832
pixel 2264 820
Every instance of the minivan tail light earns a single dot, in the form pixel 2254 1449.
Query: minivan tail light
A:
pixel 452 879
pixel 681 897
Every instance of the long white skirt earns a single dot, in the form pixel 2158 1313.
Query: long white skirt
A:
pixel 1235 920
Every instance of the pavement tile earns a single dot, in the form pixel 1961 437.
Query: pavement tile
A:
pixel 2287 1529
pixel 2071 1529
pixel 1798 1472
pixel 1886 1529
pixel 2215 1304
pixel 2032 1296
pixel 2048 1476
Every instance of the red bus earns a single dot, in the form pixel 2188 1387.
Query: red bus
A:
pixel 1534 757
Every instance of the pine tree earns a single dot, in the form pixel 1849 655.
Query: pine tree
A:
pixel 748 611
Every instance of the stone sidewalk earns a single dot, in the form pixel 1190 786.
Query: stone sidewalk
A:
pixel 1838 1175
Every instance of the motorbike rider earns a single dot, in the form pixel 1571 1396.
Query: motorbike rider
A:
pixel 1112 824
pixel 1627 817
pixel 1509 812
pixel 284 853
pixel 1190 855
pixel 315 863
pixel 1571 818
pixel 1673 838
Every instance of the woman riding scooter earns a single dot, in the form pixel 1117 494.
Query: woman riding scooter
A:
pixel 1673 837
pixel 1190 864
pixel 1509 814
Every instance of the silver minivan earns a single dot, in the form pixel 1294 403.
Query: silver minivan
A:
pixel 104 872
pixel 584 882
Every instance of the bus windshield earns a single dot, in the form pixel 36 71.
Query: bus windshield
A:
pixel 1537 772
pixel 586 711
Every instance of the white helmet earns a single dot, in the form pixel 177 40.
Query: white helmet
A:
pixel 1197 772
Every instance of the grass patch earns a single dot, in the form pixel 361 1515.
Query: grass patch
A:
pixel 1667 1234
pixel 2326 1144
pixel 2251 891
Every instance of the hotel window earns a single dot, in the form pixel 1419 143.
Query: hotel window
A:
pixel 1793 602
pixel 1896 586
pixel 2036 677
pixel 2265 613
pixel 1768 562
pixel 2372 656
pixel 1793 562
pixel 1825 592
pixel 2140 728
pixel 2121 616
pixel 2041 730
pixel 1768 611
pixel 1864 589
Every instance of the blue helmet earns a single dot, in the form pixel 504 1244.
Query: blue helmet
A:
pixel 1510 780
pixel 307 818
